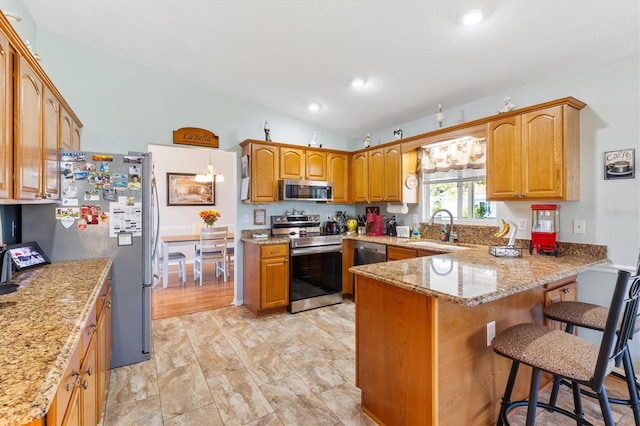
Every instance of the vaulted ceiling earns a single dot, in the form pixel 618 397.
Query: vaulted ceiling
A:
pixel 414 55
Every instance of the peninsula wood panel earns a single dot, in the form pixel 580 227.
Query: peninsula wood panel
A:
pixel 464 358
pixel 386 320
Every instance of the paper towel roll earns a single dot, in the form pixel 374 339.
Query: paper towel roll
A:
pixel 397 208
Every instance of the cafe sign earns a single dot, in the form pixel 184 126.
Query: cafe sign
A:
pixel 195 136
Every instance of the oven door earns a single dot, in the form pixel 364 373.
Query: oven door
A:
pixel 315 277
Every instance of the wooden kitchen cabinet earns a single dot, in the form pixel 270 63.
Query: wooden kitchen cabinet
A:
pixel 69 132
pixel 399 253
pixel 535 155
pixel 50 145
pixel 28 147
pixel 563 291
pixel 264 171
pixel 80 396
pixel 338 174
pixel 266 278
pixel 306 164
pixel 6 120
pixel 360 177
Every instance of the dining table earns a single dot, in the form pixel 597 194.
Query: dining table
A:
pixel 167 241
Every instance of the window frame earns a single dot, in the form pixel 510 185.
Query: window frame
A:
pixel 425 196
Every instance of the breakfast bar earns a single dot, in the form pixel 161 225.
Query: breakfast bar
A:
pixel 422 355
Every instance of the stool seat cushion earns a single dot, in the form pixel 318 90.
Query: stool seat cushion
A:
pixel 578 313
pixel 550 350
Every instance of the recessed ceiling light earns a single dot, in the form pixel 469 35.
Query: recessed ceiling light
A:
pixel 358 82
pixel 314 107
pixel 13 17
pixel 472 16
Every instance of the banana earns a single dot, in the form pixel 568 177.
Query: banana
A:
pixel 504 230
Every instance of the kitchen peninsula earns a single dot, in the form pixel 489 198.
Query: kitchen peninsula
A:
pixel 421 331
pixel 58 318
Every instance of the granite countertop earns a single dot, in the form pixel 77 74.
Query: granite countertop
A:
pixel 41 325
pixel 473 276
pixel 266 241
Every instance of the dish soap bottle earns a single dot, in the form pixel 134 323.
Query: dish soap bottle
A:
pixel 444 235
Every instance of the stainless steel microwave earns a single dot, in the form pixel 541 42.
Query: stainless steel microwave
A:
pixel 306 190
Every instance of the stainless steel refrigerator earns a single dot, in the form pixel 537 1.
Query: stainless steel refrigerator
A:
pixel 105 210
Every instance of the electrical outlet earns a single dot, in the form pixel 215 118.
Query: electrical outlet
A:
pixel 415 218
pixel 522 223
pixel 491 332
pixel 247 218
pixel 578 226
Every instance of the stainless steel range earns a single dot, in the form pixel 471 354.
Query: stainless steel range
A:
pixel 315 276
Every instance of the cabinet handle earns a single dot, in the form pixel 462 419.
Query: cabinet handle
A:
pixel 565 290
pixel 70 386
pixel 91 329
pixel 89 371
pixel 85 384
pixel 109 304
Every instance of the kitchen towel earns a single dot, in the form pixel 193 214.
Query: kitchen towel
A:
pixel 397 208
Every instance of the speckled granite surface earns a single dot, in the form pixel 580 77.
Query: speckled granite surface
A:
pixel 40 327
pixel 471 277
pixel 247 235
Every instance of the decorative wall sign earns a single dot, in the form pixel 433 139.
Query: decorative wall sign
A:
pixel 183 190
pixel 259 216
pixel 620 164
pixel 195 136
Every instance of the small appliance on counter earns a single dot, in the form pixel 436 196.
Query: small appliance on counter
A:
pixel 403 231
pixel 376 224
pixel 545 223
pixel 391 227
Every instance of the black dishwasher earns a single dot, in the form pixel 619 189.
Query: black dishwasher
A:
pixel 367 252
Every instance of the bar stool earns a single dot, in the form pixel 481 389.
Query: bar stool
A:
pixel 594 317
pixel 180 259
pixel 570 357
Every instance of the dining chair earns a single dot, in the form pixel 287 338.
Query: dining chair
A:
pixel 212 248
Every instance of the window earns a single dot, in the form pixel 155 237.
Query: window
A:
pixel 465 198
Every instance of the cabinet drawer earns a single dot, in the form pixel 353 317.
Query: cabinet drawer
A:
pixel 399 253
pixel 277 250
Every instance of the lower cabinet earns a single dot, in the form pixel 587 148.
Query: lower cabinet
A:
pixel 79 399
pixel 266 278
pixel 399 253
pixel 560 291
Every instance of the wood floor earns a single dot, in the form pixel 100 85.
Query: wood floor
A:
pixel 187 298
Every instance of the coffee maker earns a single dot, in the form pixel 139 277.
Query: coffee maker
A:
pixel 391 227
pixel 376 224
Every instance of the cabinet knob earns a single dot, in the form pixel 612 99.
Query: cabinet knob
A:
pixel 109 304
pixel 91 329
pixel 89 371
pixel 85 384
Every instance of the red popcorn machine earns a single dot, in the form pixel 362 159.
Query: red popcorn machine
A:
pixel 545 228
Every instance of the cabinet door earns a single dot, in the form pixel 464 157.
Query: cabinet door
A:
pixel 392 173
pixel 89 386
pixel 316 165
pixel 338 174
pixel 66 131
pixel 503 159
pixel 399 253
pixel 6 122
pixel 77 130
pixel 376 175
pixel 542 154
pixel 74 412
pixel 264 173
pixel 566 293
pixel 104 347
pixel 28 134
pixel 292 163
pixel 360 178
pixel 67 392
pixel 274 282
pixel 51 129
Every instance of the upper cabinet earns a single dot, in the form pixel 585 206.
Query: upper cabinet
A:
pixel 35 122
pixel 263 171
pixel 360 177
pixel 300 163
pixel 535 155
pixel 338 174
pixel 378 175
pixel 6 116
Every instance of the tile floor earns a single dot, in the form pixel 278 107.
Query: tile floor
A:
pixel 224 367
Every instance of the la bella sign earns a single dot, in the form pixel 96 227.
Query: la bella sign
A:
pixel 195 136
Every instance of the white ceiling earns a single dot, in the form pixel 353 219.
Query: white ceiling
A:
pixel 284 54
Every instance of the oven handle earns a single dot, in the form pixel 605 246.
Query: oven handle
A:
pixel 333 248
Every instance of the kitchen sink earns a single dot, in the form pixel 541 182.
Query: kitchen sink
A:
pixel 444 247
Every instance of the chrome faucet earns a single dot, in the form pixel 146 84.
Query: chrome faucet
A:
pixel 452 235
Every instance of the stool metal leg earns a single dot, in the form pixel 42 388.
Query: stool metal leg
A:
pixel 577 401
pixel 506 399
pixel 533 397
pixel 605 407
pixel 631 384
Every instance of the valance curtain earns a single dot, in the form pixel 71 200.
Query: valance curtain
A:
pixel 457 154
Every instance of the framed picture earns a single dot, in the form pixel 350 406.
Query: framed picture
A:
pixel 620 164
pixel 259 216
pixel 184 190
